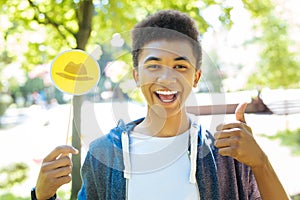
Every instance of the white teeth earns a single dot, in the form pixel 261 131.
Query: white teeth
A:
pixel 167 101
pixel 166 92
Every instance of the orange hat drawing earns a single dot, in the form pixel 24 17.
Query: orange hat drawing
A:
pixel 73 71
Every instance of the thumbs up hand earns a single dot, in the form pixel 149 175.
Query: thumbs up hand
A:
pixel 240 112
pixel 236 140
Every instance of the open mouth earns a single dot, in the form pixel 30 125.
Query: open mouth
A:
pixel 166 96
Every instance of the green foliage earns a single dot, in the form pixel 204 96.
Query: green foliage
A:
pixel 115 13
pixel 225 17
pixel 32 85
pixel 42 29
pixel 295 197
pixel 10 196
pixel 5 101
pixel 14 174
pixel 290 138
pixel 57 22
pixel 277 61
pixel 258 8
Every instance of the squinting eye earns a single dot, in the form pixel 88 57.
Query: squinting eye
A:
pixel 153 66
pixel 180 67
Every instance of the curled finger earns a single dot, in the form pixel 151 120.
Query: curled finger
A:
pixel 227 133
pixel 62 171
pixel 228 151
pixel 59 150
pixel 58 163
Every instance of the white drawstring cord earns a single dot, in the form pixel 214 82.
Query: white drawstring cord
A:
pixel 126 155
pixel 193 156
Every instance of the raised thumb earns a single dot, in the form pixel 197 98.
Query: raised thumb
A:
pixel 240 112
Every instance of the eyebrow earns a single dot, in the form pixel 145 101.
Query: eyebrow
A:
pixel 182 58
pixel 151 58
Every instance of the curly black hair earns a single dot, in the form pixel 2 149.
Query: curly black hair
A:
pixel 168 25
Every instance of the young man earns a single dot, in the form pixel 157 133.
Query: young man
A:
pixel 167 154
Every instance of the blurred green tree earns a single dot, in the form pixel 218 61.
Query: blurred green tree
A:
pixel 15 173
pixel 278 66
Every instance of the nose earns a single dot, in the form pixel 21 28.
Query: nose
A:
pixel 167 76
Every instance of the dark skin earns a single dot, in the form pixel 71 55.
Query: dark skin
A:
pixel 55 171
pixel 236 140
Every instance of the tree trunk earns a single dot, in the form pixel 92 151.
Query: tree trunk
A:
pixel 84 15
pixel 76 142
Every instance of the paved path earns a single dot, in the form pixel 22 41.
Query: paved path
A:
pixel 30 141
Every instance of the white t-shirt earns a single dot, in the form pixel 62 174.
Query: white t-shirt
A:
pixel 160 168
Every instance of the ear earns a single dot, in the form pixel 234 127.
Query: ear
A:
pixel 135 75
pixel 197 77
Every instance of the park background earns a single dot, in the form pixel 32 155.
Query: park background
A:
pixel 251 53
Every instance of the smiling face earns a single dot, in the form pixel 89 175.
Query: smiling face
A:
pixel 166 74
